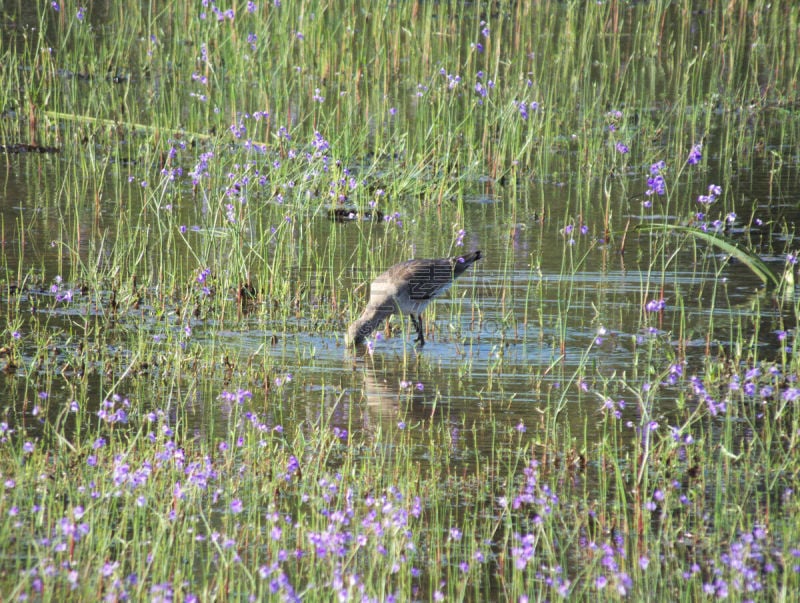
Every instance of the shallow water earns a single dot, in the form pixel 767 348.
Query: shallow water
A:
pixel 510 336
pixel 130 274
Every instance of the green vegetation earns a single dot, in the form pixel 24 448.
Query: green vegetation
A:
pixel 194 197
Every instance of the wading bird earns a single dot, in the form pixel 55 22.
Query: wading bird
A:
pixel 407 288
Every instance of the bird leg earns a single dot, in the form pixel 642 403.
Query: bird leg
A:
pixel 417 320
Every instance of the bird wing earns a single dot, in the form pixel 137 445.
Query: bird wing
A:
pixel 428 278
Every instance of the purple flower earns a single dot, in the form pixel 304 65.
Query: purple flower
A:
pixel 714 191
pixel 622 148
pixel 236 506
pixel 237 397
pixel 292 467
pixel 109 568
pixel 695 154
pixel 656 185
pixel 655 305
pixel 320 144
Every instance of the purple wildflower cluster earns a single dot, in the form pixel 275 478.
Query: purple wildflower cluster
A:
pixel 171 172
pixel 394 218
pixel 240 396
pixel 695 155
pixel 283 380
pixel 221 15
pixel 114 410
pixel 743 567
pixel 61 293
pixel 482 89
pixel 569 230
pixel 674 374
pixel 408 385
pixel 379 525
pixel 612 560
pixel 655 305
pixel 536 505
pixel 714 406
pixel 656 185
pixel 453 80
pixel 202 281
pixel 765 384
pixel 525 108
pixel 612 407
pixel 485 31
pixel 714 191
pixel 613 119
pixel 201 169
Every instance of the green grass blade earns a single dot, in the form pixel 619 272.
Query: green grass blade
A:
pixel 732 248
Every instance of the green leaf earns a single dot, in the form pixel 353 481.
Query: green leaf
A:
pixel 732 248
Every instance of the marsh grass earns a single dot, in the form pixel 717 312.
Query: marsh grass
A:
pixel 132 503
pixel 180 251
